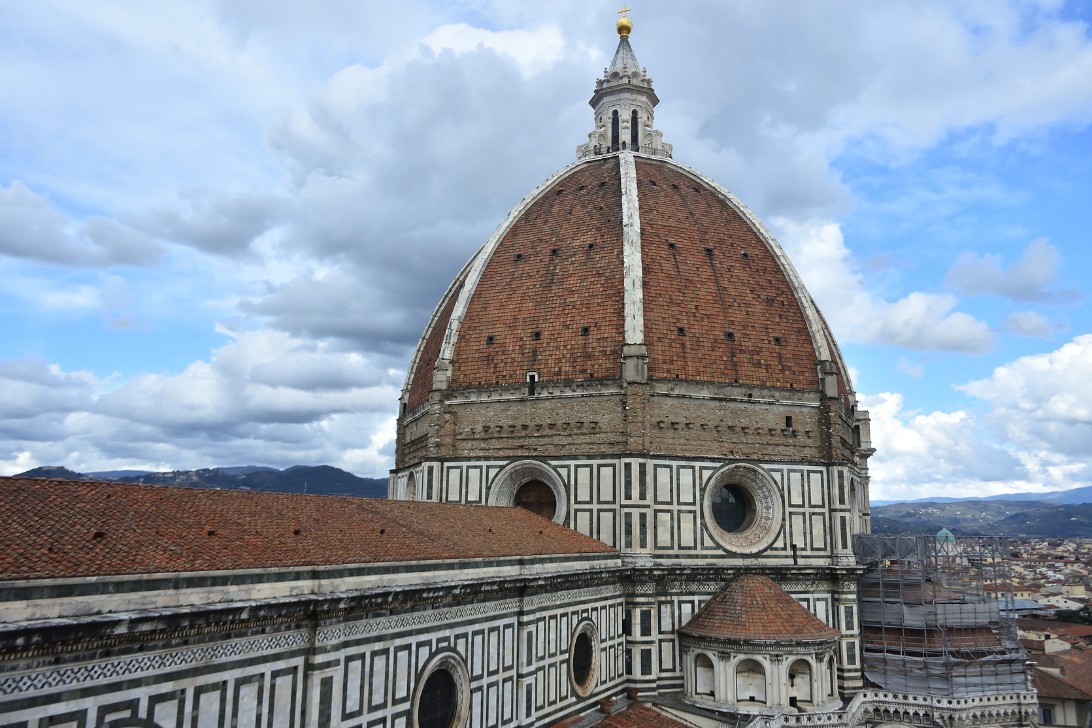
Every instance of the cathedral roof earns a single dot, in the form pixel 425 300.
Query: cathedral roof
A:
pixel 56 528
pixel 639 715
pixel 628 249
pixel 752 607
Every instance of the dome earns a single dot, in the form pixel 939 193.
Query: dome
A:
pixel 628 305
pixel 752 607
pixel 628 250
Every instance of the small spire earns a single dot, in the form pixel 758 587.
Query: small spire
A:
pixel 623 102
pixel 624 24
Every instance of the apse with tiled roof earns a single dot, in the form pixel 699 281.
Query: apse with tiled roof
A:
pixel 755 648
pixel 632 354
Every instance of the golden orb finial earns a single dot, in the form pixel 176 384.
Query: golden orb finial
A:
pixel 624 24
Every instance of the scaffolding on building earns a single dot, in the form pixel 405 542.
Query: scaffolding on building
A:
pixel 936 615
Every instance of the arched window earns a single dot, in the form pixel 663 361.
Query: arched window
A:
pixel 634 128
pixel 704 675
pixel 614 141
pixel 750 682
pixel 800 683
pixel 411 487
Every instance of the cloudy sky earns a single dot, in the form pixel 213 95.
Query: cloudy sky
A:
pixel 224 224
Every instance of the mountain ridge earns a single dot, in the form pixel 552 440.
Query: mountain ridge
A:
pixel 981 517
pixel 1080 494
pixel 313 479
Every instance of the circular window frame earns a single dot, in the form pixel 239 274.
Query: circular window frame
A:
pixel 452 663
pixel 765 525
pixel 585 628
pixel 502 492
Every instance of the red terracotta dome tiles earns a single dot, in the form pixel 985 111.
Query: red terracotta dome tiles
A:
pixel 558 272
pixel 708 274
pixel 421 383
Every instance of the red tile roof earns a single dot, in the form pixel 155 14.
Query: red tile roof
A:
pixel 1075 680
pixel 638 715
pixel 753 607
pixel 55 528
pixel 1053 626
pixel 1053 686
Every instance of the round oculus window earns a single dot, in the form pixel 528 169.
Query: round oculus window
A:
pixel 537 497
pixel 530 485
pixel 742 508
pixel 584 659
pixel 436 708
pixel 440 699
pixel 733 508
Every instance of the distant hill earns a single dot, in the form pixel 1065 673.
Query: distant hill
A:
pixel 56 472
pixel 986 517
pixel 320 479
pixel 1071 496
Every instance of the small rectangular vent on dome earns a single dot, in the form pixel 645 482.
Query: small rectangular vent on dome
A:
pixel 585 330
pixel 490 339
pixel 536 335
pixel 681 331
pixel 730 335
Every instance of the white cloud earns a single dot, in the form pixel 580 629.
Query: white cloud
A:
pixel 918 320
pixel 1043 402
pixel 935 453
pixel 1029 323
pixel 785 93
pixel 1028 279
pixel 31 227
pixel 534 50
pixel 1034 433
pixel 264 397
pixel 217 222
